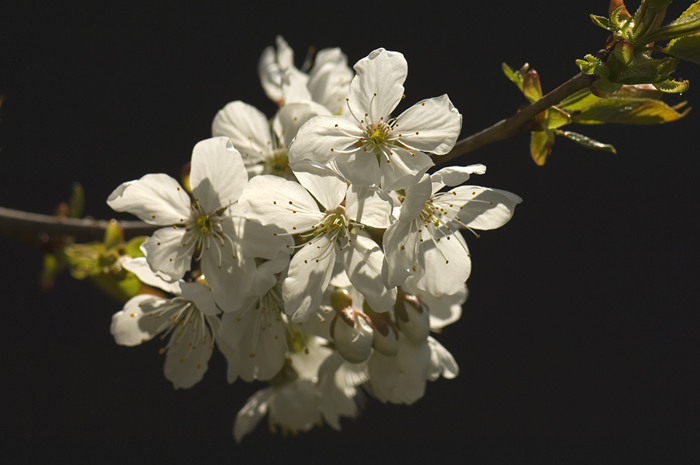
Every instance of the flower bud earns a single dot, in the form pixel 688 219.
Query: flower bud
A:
pixel 386 337
pixel 413 318
pixel 353 334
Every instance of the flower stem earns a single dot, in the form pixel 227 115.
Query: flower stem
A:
pixel 511 126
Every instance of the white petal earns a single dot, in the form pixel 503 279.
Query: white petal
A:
pixel 247 127
pixel 228 276
pixel 444 310
pixel 360 168
pixel 201 296
pixel 323 183
pixel 404 168
pixel 218 175
pixel 292 116
pixel 155 199
pixel 454 175
pixel 442 361
pixel 270 77
pixel 257 240
pixel 432 125
pixel 414 359
pixel 131 326
pixel 384 375
pixel 363 260
pixel 294 88
pixel 400 242
pixel 369 205
pixel 277 201
pixel 309 274
pixel 262 349
pixel 251 413
pixel 378 86
pixel 296 405
pixel 329 80
pixel 139 266
pixel 323 138
pixel 447 264
pixel 188 354
pixel 166 254
pixel 485 208
pixel 415 199
pixel 231 354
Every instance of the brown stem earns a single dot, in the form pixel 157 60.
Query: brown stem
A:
pixel 15 222
pixel 509 127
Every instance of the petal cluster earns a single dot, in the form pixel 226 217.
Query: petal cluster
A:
pixel 313 249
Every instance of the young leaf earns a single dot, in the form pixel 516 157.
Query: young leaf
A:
pixel 626 110
pixel 586 141
pixel 672 87
pixel 686 48
pixel 556 118
pixel 602 21
pixel 541 146
pixel 531 86
pixel 512 75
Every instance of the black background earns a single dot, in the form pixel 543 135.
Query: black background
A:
pixel 578 343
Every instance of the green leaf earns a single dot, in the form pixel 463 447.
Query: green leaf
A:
pixel 578 100
pixel 556 118
pixel 647 71
pixel 541 146
pixel 605 23
pixel 512 75
pixel 592 65
pixel 77 201
pixel 672 87
pixel 686 48
pixel 531 86
pixel 119 289
pixel 586 141
pixel 113 235
pixel 133 247
pixel 640 91
pixel 626 110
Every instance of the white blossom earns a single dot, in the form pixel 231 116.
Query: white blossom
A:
pixel 370 147
pixel 188 318
pixel 426 242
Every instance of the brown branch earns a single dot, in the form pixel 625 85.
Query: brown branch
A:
pixel 17 223
pixel 509 127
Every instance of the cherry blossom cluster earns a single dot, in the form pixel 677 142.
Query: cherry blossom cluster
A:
pixel 314 250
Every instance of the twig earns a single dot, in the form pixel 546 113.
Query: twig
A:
pixel 15 222
pixel 509 127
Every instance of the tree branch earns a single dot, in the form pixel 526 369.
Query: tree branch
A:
pixel 17 223
pixel 509 127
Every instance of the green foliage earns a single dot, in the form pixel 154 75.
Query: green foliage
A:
pixel 627 58
pixel 607 102
pixel 586 141
pixel 628 110
pixel 686 48
pixel 100 262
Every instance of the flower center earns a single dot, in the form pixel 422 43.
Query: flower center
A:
pixel 332 223
pixel 427 215
pixel 277 164
pixel 377 133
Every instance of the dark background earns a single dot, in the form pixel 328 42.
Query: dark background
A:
pixel 578 343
